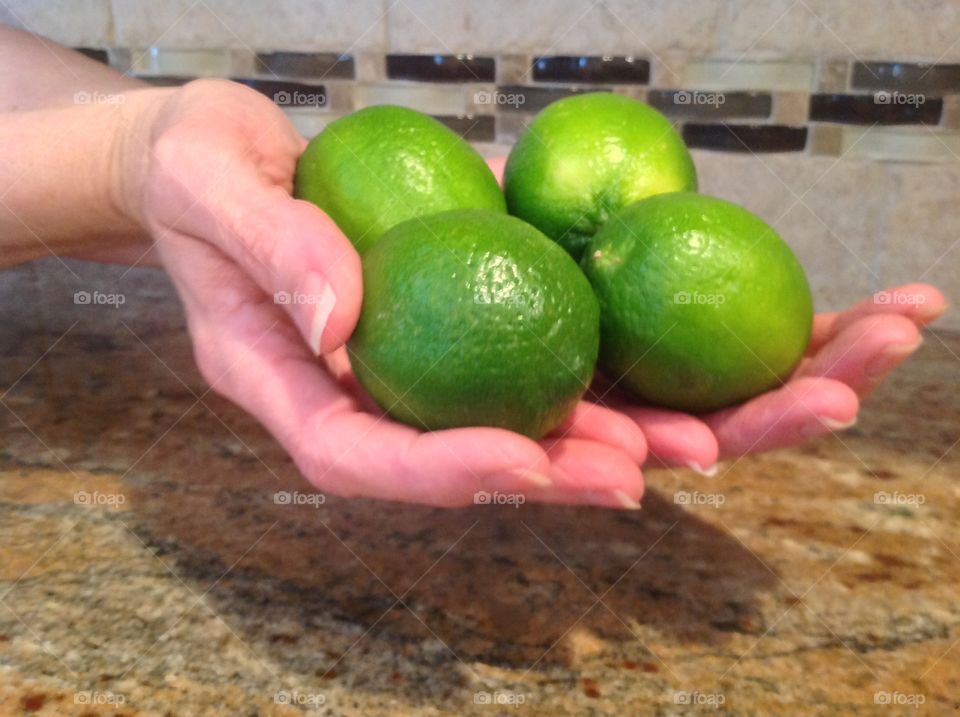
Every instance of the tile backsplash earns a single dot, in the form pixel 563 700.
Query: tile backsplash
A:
pixel 829 113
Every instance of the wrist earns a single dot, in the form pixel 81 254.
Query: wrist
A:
pixel 131 152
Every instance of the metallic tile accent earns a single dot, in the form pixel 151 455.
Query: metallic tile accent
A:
pixel 441 68
pixel 592 69
pixel 435 99
pixel 94 54
pixel 749 75
pixel 166 80
pixel 833 76
pixel 513 69
pixel 308 65
pixel 473 128
pixel 745 138
pixel 699 104
pixel 878 108
pixel 906 77
pixel 900 144
pixel 289 94
pixel 192 63
pixel 309 122
pixel 522 98
pixel 511 126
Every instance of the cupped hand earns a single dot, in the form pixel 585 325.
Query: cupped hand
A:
pixel 269 283
pixel 849 355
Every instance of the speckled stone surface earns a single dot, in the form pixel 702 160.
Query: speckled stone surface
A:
pixel 146 567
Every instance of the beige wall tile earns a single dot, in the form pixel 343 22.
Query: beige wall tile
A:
pixel 922 241
pixel 320 25
pixel 883 29
pixel 829 212
pixel 78 23
pixel 790 108
pixel 826 139
pixel 521 26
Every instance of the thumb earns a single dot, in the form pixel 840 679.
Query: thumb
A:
pixel 301 260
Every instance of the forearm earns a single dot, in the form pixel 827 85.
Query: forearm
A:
pixel 37 73
pixel 66 172
pixel 70 140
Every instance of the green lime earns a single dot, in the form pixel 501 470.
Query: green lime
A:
pixel 383 165
pixel 702 305
pixel 474 318
pixel 586 156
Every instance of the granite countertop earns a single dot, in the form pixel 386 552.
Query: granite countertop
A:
pixel 148 569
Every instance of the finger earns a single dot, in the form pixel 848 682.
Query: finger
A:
pixel 359 454
pixel 590 473
pixel 676 439
pixel 593 422
pixel 298 256
pixel 802 408
pixel 497 165
pixel 920 303
pixel 865 351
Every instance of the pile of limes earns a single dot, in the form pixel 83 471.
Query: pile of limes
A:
pixel 475 311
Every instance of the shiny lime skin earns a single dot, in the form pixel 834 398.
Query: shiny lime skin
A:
pixel 586 156
pixel 474 318
pixel 383 165
pixel 702 305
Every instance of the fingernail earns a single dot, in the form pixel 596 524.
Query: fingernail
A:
pixel 319 296
pixel 610 499
pixel 834 425
pixel 816 428
pixel 518 479
pixel 889 358
pixel 930 313
pixel 708 472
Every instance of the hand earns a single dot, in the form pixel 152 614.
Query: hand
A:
pixel 215 196
pixel 849 355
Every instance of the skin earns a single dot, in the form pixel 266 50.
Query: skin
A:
pixel 198 179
